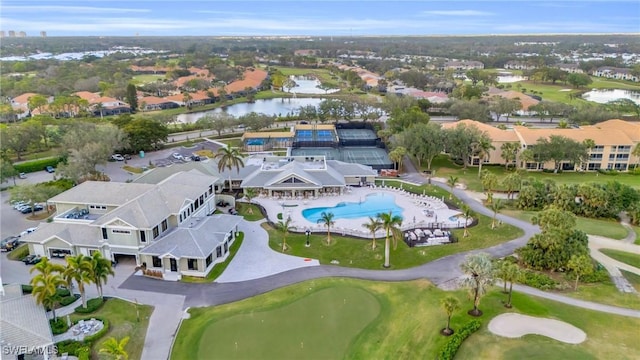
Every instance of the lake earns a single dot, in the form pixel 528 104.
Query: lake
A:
pixel 308 86
pixel 277 106
pixel 603 96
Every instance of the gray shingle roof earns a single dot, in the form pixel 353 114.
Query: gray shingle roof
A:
pixel 76 234
pixel 23 322
pixel 333 175
pixel 196 239
pixel 159 174
pixel 100 192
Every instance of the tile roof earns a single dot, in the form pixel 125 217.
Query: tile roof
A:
pixel 23 98
pixel 494 133
pixel 22 320
pixel 194 239
pixel 153 100
pixel 601 137
pixel 268 135
pixel 251 79
pixel 632 129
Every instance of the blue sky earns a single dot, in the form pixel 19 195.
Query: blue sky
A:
pixel 322 17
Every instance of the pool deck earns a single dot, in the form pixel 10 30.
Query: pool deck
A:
pixel 414 214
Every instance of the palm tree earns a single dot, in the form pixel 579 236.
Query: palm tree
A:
pixel 478 270
pixel 449 304
pixel 100 271
pixel 495 206
pixel 452 182
pixel 466 213
pixel 284 226
pixel 250 194
pixel 229 158
pixel 526 156
pixel 509 153
pixel 511 273
pixel 391 225
pixel 79 268
pixel 489 183
pixel 326 219
pixel 482 148
pixel 100 108
pixel 373 225
pixel 45 284
pixel 115 348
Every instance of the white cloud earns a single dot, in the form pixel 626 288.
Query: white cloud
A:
pixel 69 9
pixel 458 13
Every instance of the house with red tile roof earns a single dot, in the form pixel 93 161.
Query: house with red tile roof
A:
pixel 150 103
pixel 251 78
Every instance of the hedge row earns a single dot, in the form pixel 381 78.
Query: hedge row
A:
pixel 92 305
pixel 449 350
pixel 59 326
pixel 68 300
pixel 37 165
pixel 61 292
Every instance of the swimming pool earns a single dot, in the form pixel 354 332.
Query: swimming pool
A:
pixel 372 205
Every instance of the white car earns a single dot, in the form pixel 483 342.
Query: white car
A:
pixel 117 157
pixel 177 156
pixel 28 231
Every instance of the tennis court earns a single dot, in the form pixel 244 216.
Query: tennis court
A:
pixel 372 156
pixel 315 135
pixel 356 134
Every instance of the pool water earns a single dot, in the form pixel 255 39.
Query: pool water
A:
pixel 372 205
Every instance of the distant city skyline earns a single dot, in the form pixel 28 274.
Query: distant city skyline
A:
pixel 318 18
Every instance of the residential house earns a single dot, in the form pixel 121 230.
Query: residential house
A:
pixel 150 103
pixel 615 73
pixel 519 65
pixel 251 79
pixel 498 138
pixel 570 68
pixel 463 65
pixel 110 106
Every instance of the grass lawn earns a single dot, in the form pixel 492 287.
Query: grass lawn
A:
pixel 131 169
pixel 123 321
pixel 606 228
pixel 637 231
pixel 445 168
pixel 392 320
pixel 147 78
pixel 358 253
pixel 550 92
pixel 250 212
pixel 18 253
pixel 234 142
pixel 219 268
pixel 623 256
pixel 634 279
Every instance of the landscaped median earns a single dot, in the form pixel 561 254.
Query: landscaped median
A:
pixel 321 319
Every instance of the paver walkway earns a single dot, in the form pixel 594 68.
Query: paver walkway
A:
pixel 613 266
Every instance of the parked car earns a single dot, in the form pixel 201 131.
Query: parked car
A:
pixel 177 156
pixel 195 157
pixel 19 204
pixel 127 157
pixel 34 208
pixel 117 157
pixel 9 243
pixel 49 169
pixel 31 259
pixel 28 231
pixel 22 175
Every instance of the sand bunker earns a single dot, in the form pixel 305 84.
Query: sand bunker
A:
pixel 514 325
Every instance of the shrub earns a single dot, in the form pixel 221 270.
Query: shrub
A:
pixel 62 292
pixel 598 275
pixel 36 165
pixel 537 280
pixel 26 289
pixel 72 347
pixel 454 342
pixel 279 216
pixel 59 326
pixel 90 339
pixel 608 172
pixel 92 305
pixel 68 300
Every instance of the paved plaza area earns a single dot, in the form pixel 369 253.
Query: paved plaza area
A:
pixel 418 211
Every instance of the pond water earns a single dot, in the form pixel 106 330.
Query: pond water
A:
pixel 603 96
pixel 308 86
pixel 277 106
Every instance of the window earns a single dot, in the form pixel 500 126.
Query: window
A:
pixel 156 232
pixel 201 199
pixel 157 262
pixel 612 157
pixel 118 231
pixel 219 251
pixel 209 259
pixel 192 264
pixel 595 157
pixel 104 234
pixel 143 236
pixel 210 189
pixel 597 148
pixel 164 225
pixel 594 166
pixel 226 248
pixel 624 148
pixel 622 157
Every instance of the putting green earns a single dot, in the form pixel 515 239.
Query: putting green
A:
pixel 320 325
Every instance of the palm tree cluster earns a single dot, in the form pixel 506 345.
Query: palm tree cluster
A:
pixel 229 158
pixel 82 269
